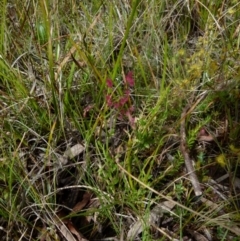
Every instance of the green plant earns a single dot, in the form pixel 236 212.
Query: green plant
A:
pixel 108 82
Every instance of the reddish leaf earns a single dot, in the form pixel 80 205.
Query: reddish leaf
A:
pixel 127 92
pixel 116 105
pixel 123 100
pixel 130 79
pixel 109 83
pixel 109 100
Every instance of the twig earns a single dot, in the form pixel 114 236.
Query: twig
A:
pixel 183 146
pixel 188 161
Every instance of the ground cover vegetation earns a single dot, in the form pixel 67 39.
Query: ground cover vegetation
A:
pixel 119 120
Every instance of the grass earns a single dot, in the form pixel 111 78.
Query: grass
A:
pixel 92 94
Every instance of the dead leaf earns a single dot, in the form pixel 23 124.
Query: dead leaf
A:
pixel 237 182
pixel 80 205
pixel 203 135
pixel 155 215
pixel 67 228
pixel 135 230
pixel 66 233
pixel 75 232
pixel 206 138
pixel 74 151
pixel 197 236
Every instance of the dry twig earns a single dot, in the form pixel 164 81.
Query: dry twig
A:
pixel 187 159
pixel 183 146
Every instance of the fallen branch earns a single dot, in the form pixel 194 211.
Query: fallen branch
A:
pixel 187 159
pixel 183 146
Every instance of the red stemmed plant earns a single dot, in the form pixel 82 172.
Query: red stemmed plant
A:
pixel 122 103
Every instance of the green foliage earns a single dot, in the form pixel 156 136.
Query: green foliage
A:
pixel 41 34
pixel 3 7
pixel 57 61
